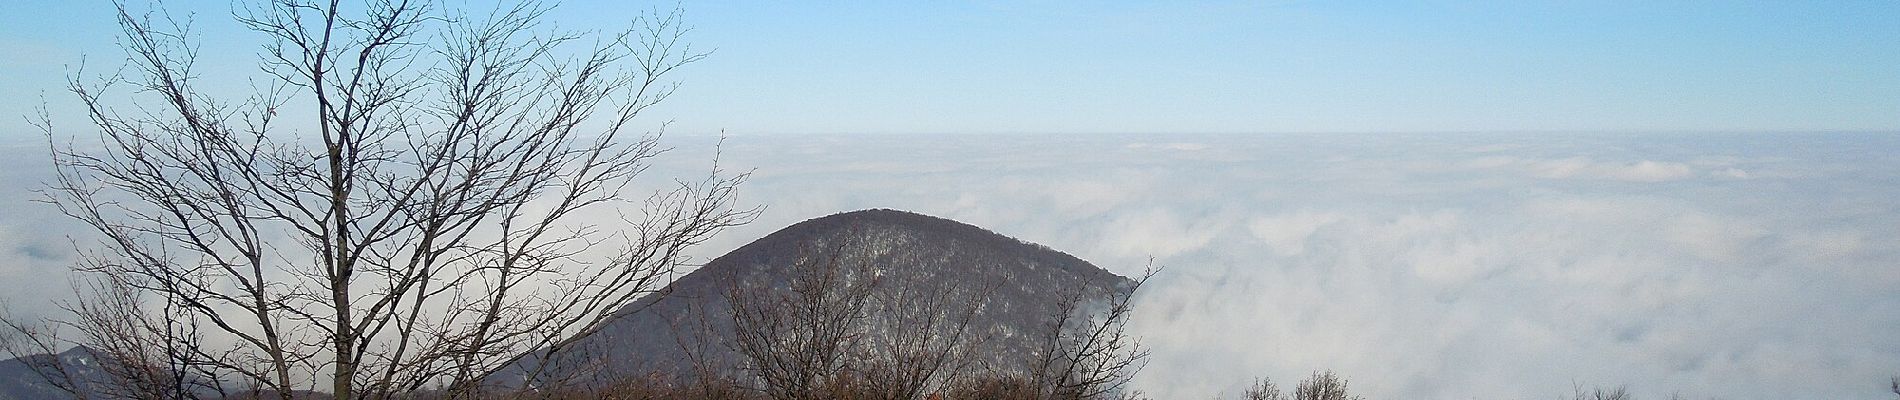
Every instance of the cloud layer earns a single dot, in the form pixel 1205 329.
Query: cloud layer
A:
pixel 1419 266
pixel 1456 266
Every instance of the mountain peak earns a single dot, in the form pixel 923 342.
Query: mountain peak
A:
pixel 888 223
pixel 1017 286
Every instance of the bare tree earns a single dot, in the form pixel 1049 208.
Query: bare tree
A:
pixel 417 222
pixel 798 341
pixel 123 351
pixel 145 354
pixel 1088 353
pixel 925 342
pixel 1600 393
pixel 1323 386
pixel 1263 389
pixel 848 322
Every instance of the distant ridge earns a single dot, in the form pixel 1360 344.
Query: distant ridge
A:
pixel 80 366
pixel 19 381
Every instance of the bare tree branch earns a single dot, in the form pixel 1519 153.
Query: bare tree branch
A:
pixel 424 223
pixel 1087 353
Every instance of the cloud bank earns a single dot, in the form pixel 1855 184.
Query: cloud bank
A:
pixel 1419 266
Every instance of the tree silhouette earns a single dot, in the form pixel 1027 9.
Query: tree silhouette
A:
pixel 431 213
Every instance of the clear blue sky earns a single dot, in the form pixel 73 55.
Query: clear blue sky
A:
pixel 1048 66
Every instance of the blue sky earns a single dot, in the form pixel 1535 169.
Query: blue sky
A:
pixel 1067 67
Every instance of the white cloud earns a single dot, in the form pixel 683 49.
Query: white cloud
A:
pixel 1422 267
pixel 1158 232
pixel 1731 173
pixel 1586 168
pixel 1828 245
pixel 1179 146
pixel 1286 234
pixel 1711 238
pixel 1419 270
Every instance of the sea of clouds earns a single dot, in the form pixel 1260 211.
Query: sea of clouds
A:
pixel 1492 266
